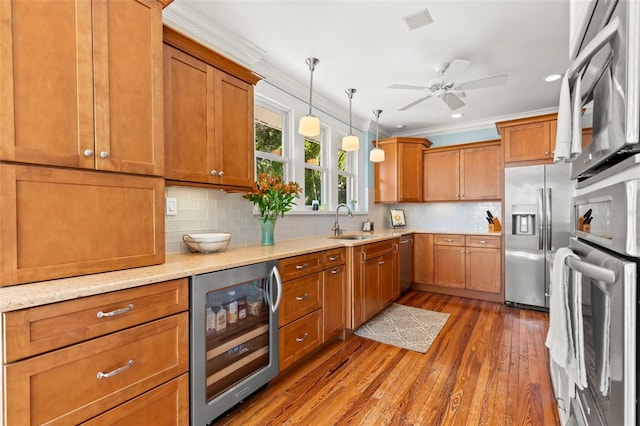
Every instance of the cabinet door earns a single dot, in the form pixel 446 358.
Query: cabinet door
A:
pixel 371 299
pixel 188 91
pixel 333 305
pixel 386 175
pixel 59 223
pixel 46 82
pixel 128 86
pixel 423 259
pixel 527 142
pixel 410 172
pixel 442 176
pixel 233 131
pixel 481 173
pixel 449 266
pixel 483 269
pixel 387 280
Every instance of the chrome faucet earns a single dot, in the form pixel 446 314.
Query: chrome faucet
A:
pixel 336 226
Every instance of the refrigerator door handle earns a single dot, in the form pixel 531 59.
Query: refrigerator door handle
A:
pixel 548 218
pixel 540 221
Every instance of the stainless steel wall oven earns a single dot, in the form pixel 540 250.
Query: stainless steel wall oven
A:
pixel 234 337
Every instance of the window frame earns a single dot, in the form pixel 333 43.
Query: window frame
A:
pixel 286 156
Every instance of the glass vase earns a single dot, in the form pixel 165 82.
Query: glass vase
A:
pixel 267 225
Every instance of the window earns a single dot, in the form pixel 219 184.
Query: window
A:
pixel 346 178
pixel 270 146
pixel 314 170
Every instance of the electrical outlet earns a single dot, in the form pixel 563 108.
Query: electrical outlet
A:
pixel 172 207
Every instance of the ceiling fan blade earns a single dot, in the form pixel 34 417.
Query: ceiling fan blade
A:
pixel 414 103
pixel 497 80
pixel 455 68
pixel 452 101
pixel 407 86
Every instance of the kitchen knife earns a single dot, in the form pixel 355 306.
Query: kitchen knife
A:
pixel 587 215
pixel 490 215
pixel 489 220
pixel 588 220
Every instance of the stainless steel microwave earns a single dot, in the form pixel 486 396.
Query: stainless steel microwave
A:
pixel 608 66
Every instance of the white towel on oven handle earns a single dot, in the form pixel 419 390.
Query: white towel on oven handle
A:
pixel 577 373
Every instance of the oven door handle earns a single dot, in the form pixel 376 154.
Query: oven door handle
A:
pixel 592 271
pixel 606 35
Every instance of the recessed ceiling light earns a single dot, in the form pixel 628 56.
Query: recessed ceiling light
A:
pixel 400 126
pixel 552 77
pixel 456 115
pixel 418 19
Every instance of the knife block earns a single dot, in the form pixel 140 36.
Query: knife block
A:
pixel 495 226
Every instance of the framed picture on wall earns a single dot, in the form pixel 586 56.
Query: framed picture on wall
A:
pixel 397 218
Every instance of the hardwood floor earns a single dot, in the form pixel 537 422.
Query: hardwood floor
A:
pixel 488 366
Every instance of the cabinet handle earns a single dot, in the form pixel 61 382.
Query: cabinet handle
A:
pixel 467 252
pixel 304 296
pixel 364 256
pixel 482 241
pixel 381 262
pixel 122 369
pixel 304 337
pixel 88 152
pixel 214 172
pixel 462 251
pixel 546 153
pixel 449 240
pixel 104 154
pixel 101 314
pixel 304 265
pixel 220 173
pixel 396 248
pixel 333 258
pixel 335 271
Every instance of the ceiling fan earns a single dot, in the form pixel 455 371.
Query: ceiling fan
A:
pixel 449 91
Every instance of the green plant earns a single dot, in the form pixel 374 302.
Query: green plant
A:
pixel 272 196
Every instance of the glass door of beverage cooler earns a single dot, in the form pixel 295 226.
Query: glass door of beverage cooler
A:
pixel 234 345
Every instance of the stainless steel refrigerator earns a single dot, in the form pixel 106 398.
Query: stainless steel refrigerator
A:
pixel 537 221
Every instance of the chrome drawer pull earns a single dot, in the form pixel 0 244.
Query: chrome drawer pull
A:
pixel 335 271
pixel 381 262
pixel 304 296
pixel 483 241
pixel 449 240
pixel 101 314
pixel 333 258
pixel 124 368
pixel 304 265
pixel 304 337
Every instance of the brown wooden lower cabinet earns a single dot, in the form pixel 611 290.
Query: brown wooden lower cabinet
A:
pixel 59 223
pixel 135 355
pixel 333 305
pixel 462 265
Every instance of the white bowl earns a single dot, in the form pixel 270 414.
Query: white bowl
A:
pixel 207 243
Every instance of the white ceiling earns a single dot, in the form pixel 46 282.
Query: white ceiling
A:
pixel 367 45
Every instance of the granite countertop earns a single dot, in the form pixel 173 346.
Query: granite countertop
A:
pixel 180 265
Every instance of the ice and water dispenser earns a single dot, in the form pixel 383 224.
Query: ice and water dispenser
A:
pixel 523 219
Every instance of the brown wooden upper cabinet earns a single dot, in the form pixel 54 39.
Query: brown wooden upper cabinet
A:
pixel 398 179
pixel 463 172
pixel 531 140
pixel 208 116
pixel 81 84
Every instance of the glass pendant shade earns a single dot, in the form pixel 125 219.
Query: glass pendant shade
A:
pixel 376 155
pixel 350 143
pixel 309 126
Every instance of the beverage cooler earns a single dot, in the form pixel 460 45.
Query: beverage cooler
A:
pixel 234 336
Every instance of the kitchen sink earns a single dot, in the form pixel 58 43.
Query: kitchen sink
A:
pixel 352 237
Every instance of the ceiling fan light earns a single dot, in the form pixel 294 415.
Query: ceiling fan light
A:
pixel 456 115
pixel 552 77
pixel 350 143
pixel 309 126
pixel 376 155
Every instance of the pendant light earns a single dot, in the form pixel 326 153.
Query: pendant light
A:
pixel 309 124
pixel 350 142
pixel 377 155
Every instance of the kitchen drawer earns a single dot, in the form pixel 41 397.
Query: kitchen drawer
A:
pixel 299 338
pixel 334 257
pixel 299 266
pixel 165 405
pixel 380 248
pixel 300 297
pixel 482 241
pixel 448 240
pixel 64 386
pixel 44 328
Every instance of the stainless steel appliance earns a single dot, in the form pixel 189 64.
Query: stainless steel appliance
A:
pixel 609 327
pixel 608 66
pixel 406 262
pixel 234 336
pixel 537 215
